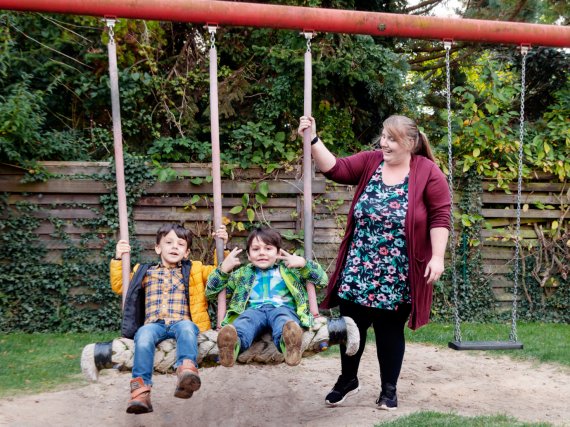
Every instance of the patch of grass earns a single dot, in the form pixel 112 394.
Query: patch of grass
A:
pixel 437 419
pixel 543 342
pixel 34 363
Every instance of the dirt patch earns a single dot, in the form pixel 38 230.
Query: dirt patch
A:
pixel 433 379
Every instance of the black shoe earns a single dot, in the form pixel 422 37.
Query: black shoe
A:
pixel 341 390
pixel 388 399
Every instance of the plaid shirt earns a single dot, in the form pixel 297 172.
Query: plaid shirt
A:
pixel 165 295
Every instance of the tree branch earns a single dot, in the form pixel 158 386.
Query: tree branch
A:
pixel 441 64
pixel 421 5
pixel 439 54
pixel 518 8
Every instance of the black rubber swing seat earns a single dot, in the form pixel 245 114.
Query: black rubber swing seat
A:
pixel 485 345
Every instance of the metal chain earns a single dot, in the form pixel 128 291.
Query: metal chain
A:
pixel 513 336
pixel 453 242
pixel 111 25
pixel 308 36
pixel 212 31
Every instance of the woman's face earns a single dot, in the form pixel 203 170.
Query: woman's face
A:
pixel 394 152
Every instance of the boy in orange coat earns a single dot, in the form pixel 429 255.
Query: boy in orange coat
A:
pixel 165 300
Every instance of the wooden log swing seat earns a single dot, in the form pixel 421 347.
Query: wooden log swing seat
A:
pixel 118 354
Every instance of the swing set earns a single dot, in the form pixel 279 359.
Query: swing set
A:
pixel 308 21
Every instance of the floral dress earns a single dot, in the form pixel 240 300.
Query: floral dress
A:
pixel 376 269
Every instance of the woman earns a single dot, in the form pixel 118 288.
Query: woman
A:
pixel 393 248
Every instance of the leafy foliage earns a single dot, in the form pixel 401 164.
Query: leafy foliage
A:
pixel 20 121
pixel 552 138
pixel 56 75
pixel 486 126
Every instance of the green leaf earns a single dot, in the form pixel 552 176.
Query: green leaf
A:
pixel 546 148
pixel 250 215
pixel 272 166
pixel 263 188
pixel 261 199
pixel 236 209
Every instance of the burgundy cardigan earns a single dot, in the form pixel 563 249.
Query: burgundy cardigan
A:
pixel 429 206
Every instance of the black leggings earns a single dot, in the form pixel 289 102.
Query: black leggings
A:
pixel 390 342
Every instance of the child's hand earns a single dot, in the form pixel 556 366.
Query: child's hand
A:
pixel 291 260
pixel 231 261
pixel 221 233
pixel 122 248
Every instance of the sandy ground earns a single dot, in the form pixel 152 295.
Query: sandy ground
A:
pixel 432 379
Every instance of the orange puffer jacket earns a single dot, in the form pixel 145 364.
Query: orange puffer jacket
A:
pixel 197 283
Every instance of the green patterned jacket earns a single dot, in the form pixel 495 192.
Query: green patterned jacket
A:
pixel 239 283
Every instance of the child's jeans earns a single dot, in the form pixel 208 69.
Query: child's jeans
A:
pixel 185 332
pixel 255 321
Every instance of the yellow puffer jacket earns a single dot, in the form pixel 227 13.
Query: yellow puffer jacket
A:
pixel 198 303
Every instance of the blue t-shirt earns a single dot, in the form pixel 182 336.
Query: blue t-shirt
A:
pixel 270 288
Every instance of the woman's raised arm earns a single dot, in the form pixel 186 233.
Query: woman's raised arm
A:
pixel 324 159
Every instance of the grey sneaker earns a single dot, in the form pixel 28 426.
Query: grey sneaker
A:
pixel 341 390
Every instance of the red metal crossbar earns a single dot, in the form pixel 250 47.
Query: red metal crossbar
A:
pixel 227 13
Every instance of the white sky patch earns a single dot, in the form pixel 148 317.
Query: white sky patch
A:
pixel 446 9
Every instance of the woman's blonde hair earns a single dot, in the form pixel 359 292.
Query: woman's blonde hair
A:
pixel 406 133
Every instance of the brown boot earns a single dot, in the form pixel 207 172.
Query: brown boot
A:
pixel 188 379
pixel 228 346
pixel 291 342
pixel 140 397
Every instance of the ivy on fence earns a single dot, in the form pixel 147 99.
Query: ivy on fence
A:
pixel 74 294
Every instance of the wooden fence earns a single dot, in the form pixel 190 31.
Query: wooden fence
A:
pixel 70 198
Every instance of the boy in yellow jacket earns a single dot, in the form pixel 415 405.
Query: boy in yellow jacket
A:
pixel 165 300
